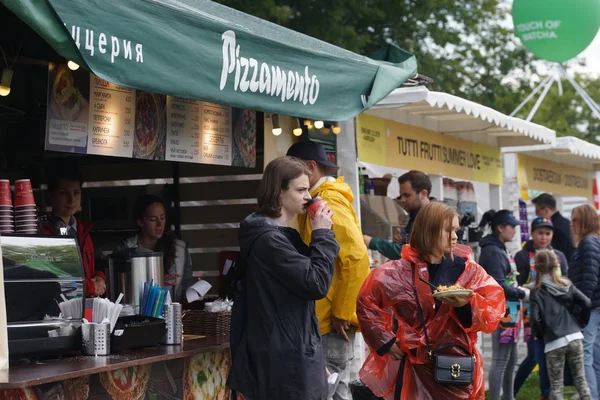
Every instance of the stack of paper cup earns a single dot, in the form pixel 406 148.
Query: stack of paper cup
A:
pixel 7 224
pixel 25 209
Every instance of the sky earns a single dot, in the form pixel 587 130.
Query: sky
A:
pixel 591 55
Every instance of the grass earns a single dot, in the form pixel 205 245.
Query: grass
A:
pixel 531 389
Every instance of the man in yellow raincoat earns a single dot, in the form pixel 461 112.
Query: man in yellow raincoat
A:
pixel 336 312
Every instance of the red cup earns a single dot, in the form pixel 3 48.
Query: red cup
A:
pixel 313 205
pixel 5 193
pixel 24 193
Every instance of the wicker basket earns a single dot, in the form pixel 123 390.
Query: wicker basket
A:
pixel 202 322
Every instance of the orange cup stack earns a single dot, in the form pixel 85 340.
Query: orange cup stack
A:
pixel 7 224
pixel 25 208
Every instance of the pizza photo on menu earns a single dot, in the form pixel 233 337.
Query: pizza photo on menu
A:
pixel 18 394
pixel 68 97
pixel 126 383
pixel 150 126
pixel 244 138
pixel 205 376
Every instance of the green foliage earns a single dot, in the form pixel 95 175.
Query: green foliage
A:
pixel 464 45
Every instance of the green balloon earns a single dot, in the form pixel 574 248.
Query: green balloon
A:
pixel 556 30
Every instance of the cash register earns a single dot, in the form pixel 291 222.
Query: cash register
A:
pixel 40 273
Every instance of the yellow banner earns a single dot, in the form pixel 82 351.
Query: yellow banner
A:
pixel 371 139
pixel 559 179
pixel 396 145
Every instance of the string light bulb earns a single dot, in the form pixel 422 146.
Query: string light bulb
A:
pixel 276 127
pixel 73 66
pixel 335 128
pixel 319 124
pixel 5 80
pixel 308 123
pixel 298 128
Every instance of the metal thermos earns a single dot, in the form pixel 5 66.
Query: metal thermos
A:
pixel 129 271
pixel 173 318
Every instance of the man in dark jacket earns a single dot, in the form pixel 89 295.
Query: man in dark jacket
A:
pixel 415 188
pixel 545 206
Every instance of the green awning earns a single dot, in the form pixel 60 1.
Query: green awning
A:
pixel 201 50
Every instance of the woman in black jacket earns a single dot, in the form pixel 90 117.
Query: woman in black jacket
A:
pixel 275 339
pixel 498 263
pixel 583 272
pixel 542 231
pixel 553 304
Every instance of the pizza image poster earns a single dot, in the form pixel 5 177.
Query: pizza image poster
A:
pixel 199 377
pixel 89 115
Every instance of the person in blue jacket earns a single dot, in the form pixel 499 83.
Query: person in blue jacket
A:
pixel 542 233
pixel 584 269
pixel 498 263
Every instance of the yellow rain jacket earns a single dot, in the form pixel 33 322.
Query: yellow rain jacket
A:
pixel 351 265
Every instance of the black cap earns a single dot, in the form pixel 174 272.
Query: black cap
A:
pixel 310 151
pixel 541 222
pixel 505 217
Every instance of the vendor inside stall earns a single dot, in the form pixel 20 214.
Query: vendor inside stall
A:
pixel 64 195
pixel 415 188
pixel 154 235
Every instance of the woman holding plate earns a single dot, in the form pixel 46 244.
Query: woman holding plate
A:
pixel 440 299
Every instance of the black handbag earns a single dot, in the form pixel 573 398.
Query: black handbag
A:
pixel 447 368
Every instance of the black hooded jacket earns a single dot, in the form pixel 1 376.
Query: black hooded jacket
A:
pixel 276 342
pixel 553 308
pixel 494 260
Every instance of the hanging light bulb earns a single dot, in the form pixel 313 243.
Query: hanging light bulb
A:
pixel 298 128
pixel 335 127
pixel 5 81
pixel 276 127
pixel 73 66
pixel 308 123
pixel 319 124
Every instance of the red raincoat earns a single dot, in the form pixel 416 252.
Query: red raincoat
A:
pixel 390 286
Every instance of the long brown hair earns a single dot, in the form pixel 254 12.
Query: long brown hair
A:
pixel 546 263
pixel 276 179
pixel 426 234
pixel 585 222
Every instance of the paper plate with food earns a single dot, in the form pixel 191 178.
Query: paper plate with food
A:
pixel 449 291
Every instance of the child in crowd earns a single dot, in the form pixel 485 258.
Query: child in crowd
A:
pixel 559 312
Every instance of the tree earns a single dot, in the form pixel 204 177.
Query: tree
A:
pixel 568 115
pixel 464 45
pixel 461 44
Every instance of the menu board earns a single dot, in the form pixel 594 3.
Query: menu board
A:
pixel 89 115
pixel 111 119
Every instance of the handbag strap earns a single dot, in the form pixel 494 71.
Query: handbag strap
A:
pixel 420 313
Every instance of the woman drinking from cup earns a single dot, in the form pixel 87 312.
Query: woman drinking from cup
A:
pixel 150 216
pixel 440 299
pixel 276 347
pixel 64 193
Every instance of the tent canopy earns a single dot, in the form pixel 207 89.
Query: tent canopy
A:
pixel 464 119
pixel 201 50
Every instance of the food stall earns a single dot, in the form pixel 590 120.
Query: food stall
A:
pixel 175 98
pixel 449 138
pixel 455 141
pixel 567 170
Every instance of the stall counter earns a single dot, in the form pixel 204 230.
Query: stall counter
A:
pixel 197 369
